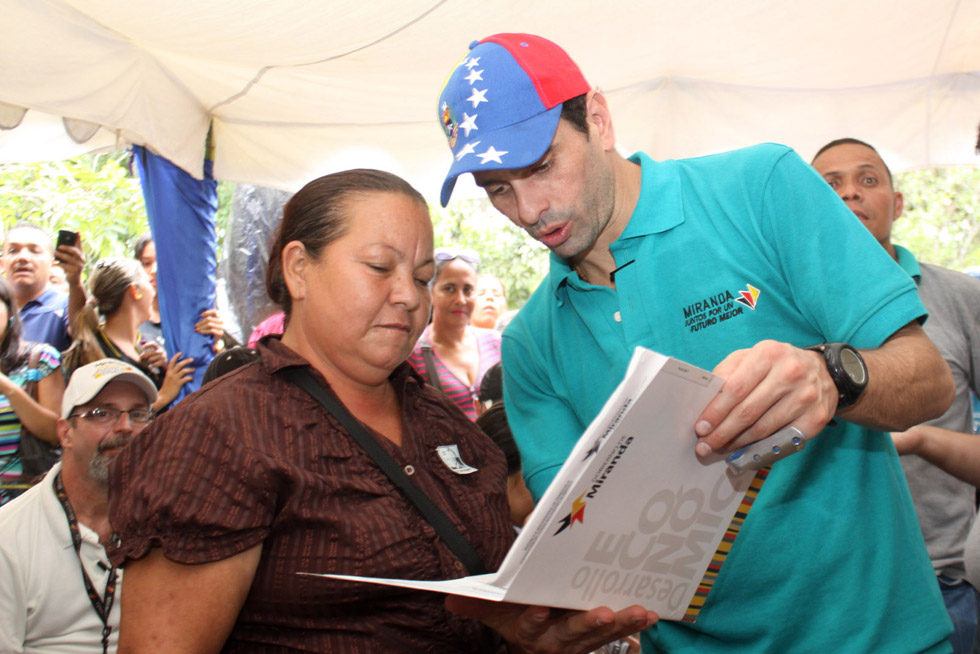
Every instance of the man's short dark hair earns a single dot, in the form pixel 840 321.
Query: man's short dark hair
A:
pixel 852 141
pixel 574 111
pixel 27 224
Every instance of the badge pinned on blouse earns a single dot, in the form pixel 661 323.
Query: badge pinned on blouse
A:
pixel 450 456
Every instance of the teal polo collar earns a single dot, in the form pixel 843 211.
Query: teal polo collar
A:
pixel 908 263
pixel 660 186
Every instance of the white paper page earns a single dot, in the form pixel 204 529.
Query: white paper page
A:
pixel 643 367
pixel 633 517
pixel 475 586
pixel 650 513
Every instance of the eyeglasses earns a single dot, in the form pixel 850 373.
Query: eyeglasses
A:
pixel 445 255
pixel 103 415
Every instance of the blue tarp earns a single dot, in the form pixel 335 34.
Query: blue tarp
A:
pixel 181 213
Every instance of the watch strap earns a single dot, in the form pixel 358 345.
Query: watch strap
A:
pixel 848 390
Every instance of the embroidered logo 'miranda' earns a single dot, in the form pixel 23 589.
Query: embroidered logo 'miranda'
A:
pixel 717 308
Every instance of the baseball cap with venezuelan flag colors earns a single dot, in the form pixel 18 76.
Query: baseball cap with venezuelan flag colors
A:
pixel 501 104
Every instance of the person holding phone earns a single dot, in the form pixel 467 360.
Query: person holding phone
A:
pixel 45 313
pixel 70 257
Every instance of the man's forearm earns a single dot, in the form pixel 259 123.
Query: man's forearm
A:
pixel 951 451
pixel 909 382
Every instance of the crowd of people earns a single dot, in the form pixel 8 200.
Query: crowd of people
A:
pixel 398 420
pixel 114 314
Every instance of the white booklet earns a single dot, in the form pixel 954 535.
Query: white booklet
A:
pixel 633 516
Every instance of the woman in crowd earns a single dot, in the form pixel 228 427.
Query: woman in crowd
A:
pixel 451 354
pixel 24 364
pixel 274 324
pixel 491 301
pixel 151 331
pixel 221 503
pixel 145 251
pixel 120 292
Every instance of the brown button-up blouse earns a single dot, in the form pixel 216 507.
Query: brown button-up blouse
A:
pixel 252 458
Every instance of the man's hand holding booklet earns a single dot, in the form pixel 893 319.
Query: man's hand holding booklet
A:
pixel 633 517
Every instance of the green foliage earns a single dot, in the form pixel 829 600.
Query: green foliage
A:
pixel 94 194
pixel 97 195
pixel 505 250
pixel 941 220
pixel 100 196
pixel 226 192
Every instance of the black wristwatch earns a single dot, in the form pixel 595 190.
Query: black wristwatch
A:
pixel 846 368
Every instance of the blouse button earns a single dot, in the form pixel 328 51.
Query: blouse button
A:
pixel 409 470
pixel 617 317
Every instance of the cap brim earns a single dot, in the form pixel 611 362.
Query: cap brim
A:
pixel 517 145
pixel 139 380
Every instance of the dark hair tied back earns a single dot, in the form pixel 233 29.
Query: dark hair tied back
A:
pixel 317 215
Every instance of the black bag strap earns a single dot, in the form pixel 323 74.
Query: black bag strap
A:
pixel 431 373
pixel 430 368
pixel 447 531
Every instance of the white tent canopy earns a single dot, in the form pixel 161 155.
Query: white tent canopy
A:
pixel 298 88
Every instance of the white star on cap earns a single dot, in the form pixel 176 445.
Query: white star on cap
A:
pixel 492 154
pixel 471 62
pixel 467 149
pixel 469 123
pixel 474 76
pixel 477 97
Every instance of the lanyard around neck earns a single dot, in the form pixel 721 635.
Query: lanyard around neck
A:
pixel 102 607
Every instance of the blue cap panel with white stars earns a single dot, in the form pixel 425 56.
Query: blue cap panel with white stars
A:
pixel 492 112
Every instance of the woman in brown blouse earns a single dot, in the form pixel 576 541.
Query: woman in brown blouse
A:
pixel 250 481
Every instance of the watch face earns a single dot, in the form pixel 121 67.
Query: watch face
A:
pixel 852 366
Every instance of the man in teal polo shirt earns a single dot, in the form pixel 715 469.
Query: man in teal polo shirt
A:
pixel 944 504
pixel 734 262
